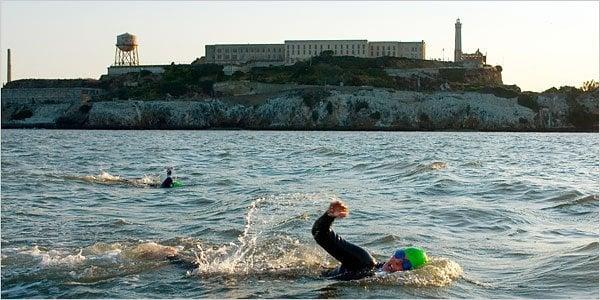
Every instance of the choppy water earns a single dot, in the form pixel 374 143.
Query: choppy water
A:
pixel 500 214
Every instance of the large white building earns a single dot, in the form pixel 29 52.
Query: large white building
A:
pixel 397 49
pixel 299 50
pixel 227 54
pixel 292 51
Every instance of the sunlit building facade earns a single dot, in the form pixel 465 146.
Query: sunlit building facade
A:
pixel 292 51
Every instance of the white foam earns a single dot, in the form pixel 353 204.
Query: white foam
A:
pixel 438 165
pixel 54 258
pixel 437 272
pixel 107 178
pixel 147 180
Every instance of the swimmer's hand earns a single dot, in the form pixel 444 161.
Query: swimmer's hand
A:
pixel 337 209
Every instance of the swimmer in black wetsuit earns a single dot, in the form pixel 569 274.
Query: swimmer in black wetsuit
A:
pixel 168 183
pixel 356 262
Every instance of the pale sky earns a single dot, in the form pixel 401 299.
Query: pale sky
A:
pixel 538 44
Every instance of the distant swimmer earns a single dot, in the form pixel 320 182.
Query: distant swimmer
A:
pixel 356 262
pixel 168 183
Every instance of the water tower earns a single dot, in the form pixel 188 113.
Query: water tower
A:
pixel 126 53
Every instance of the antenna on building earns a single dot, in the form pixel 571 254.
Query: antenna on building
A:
pixel 126 53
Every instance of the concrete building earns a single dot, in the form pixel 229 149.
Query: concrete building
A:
pixel 397 49
pixel 119 70
pixel 236 54
pixel 476 59
pixel 299 50
pixel 292 51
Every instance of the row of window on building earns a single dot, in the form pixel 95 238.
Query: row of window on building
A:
pixel 341 47
pixel 335 46
pixel 335 52
pixel 251 50
pixel 249 57
pixel 346 52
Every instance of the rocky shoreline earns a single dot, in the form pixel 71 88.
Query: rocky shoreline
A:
pixel 285 107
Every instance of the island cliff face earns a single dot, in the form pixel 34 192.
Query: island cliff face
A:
pixel 325 93
pixel 248 105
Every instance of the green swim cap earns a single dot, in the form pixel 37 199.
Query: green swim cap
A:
pixel 415 255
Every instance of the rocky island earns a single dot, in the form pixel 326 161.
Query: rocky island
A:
pixel 325 93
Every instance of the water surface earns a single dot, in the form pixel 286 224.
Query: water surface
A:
pixel 500 214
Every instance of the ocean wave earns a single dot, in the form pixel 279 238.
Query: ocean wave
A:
pixel 386 239
pixel 471 218
pixel 475 164
pixel 568 268
pixel 564 196
pixel 326 151
pixel 426 167
pixel 583 201
pixel 360 166
pixel 593 247
pixel 576 206
pixel 223 154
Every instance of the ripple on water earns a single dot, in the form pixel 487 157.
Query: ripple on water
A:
pixel 575 204
pixel 384 240
pixel 326 151
pixel 562 270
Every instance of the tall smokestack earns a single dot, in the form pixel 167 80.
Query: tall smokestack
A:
pixel 8 66
pixel 457 41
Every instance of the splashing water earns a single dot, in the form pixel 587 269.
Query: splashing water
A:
pixel 53 258
pixel 109 179
pixel 437 272
pixel 259 247
pixel 262 250
pixel 438 165
pixel 103 177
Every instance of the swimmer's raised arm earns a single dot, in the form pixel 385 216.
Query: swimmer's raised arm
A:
pixel 352 257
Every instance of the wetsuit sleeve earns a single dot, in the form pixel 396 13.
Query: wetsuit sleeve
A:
pixel 352 257
pixel 183 262
pixel 167 183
